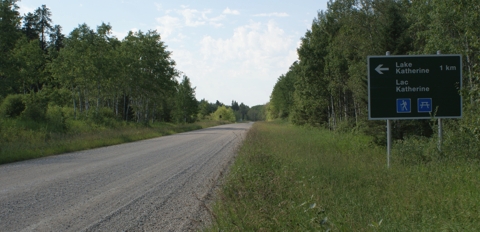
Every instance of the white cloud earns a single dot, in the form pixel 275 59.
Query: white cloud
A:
pixel 265 37
pixel 256 47
pixel 122 34
pixel 233 12
pixel 158 6
pixel 25 9
pixel 193 18
pixel 243 66
pixel 167 25
pixel 216 20
pixel 184 55
pixel 274 14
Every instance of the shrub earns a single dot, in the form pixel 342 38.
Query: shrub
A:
pixel 35 107
pixel 106 113
pixel 12 106
pixel 60 97
pixel 104 116
pixel 415 150
pixel 224 114
pixel 56 118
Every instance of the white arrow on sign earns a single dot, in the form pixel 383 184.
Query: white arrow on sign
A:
pixel 379 69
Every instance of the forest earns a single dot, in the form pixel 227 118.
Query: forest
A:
pixel 327 85
pixel 66 92
pixel 91 74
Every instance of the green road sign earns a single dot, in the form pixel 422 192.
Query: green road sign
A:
pixel 414 87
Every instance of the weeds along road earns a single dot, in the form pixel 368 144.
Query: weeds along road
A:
pixel 151 185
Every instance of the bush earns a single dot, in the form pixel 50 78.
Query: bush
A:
pixel 12 106
pixel 461 138
pixel 104 116
pixel 35 107
pixel 415 150
pixel 106 113
pixel 223 114
pixel 60 97
pixel 56 118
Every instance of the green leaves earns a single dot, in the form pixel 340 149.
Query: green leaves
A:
pixel 29 62
pixel 329 81
pixel 224 114
pixel 186 107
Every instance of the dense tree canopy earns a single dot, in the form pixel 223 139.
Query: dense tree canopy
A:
pixel 328 84
pixel 90 70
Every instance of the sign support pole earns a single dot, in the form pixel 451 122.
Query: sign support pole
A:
pixel 389 134
pixel 389 141
pixel 440 131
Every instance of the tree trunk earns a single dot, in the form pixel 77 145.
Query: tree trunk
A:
pixel 125 113
pixel 146 112
pixel 345 103
pixel 87 105
pixel 355 109
pixel 333 113
pixel 153 112
pixel 98 96
pixel 80 101
pixel 74 106
pixel 329 117
pixel 116 105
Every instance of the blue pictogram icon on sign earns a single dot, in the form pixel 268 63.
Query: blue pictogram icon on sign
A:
pixel 404 105
pixel 424 105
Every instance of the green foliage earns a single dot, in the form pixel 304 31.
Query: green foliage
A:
pixel 186 107
pixel 55 87
pixel 281 99
pixel 12 106
pixel 59 96
pixel 103 117
pixel 257 113
pixel 327 86
pixel 289 178
pixel 56 118
pixel 223 114
pixel 9 34
pixel 97 69
pixel 42 24
pixel 35 107
pixel 243 109
pixel 205 109
pixel 29 139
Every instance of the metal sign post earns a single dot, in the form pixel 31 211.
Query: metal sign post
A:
pixel 389 130
pixel 440 130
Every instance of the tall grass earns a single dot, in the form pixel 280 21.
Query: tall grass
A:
pixel 22 139
pixel 289 178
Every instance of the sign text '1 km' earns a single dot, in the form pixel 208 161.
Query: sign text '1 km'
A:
pixel 414 87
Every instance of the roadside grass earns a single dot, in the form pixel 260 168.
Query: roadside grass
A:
pixel 289 178
pixel 23 139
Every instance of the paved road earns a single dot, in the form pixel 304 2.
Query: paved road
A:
pixel 151 185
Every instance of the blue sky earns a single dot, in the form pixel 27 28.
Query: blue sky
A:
pixel 230 50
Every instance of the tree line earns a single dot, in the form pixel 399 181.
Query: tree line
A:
pixel 327 85
pixel 90 69
pixel 92 72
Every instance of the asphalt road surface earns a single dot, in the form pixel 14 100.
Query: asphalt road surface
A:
pixel 152 185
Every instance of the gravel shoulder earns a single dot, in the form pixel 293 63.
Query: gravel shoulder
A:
pixel 152 185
